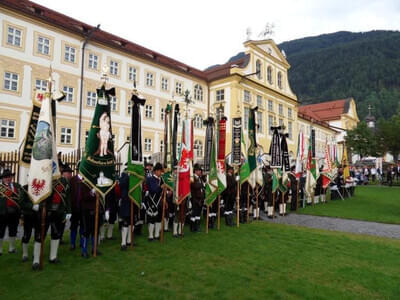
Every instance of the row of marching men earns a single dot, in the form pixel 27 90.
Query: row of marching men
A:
pixel 72 200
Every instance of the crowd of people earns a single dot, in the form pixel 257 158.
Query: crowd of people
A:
pixel 73 202
pixel 366 175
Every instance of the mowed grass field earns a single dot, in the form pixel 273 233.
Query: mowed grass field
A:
pixel 256 261
pixel 370 203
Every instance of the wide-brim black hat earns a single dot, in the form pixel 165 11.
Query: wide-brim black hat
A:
pixel 197 167
pixel 7 173
pixel 158 166
pixel 67 168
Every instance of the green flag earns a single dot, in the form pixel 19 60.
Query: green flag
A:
pixel 212 186
pixel 275 180
pixel 283 182
pixel 97 166
pixel 245 168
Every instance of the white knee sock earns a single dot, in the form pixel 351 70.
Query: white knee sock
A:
pixel 36 253
pixel 284 208
pixel 281 208
pixel 124 234
pixel 316 199
pixel 175 228
pixel 102 229
pixel 11 243
pixel 25 247
pixel 166 222
pixel 158 229
pixel 151 231
pixel 110 229
pixel 54 249
pixel 265 206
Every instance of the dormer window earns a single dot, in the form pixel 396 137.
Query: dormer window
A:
pixel 280 80
pixel 258 69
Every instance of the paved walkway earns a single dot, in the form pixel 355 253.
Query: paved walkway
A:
pixel 336 224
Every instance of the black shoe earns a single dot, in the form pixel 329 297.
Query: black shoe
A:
pixel 24 259
pixel 151 239
pixel 62 242
pixel 35 267
pixel 176 236
pixel 157 238
pixel 85 255
pixel 123 247
pixel 110 238
pixel 12 251
pixel 72 247
pixel 55 261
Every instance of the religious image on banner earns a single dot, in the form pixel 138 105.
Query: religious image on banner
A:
pixel 98 161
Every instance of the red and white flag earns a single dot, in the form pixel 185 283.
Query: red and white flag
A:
pixel 184 162
pixel 300 155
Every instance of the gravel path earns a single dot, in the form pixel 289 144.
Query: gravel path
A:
pixel 336 224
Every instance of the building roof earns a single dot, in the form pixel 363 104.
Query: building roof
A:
pixel 221 71
pixel 67 23
pixel 326 111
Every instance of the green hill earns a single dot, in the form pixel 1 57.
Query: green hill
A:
pixel 365 66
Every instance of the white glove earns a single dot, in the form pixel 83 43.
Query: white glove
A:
pixel 93 192
pixel 237 178
pixel 67 217
pixel 143 205
pixel 35 207
pixel 189 204
pixel 107 215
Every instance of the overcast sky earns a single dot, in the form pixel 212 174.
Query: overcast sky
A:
pixel 208 32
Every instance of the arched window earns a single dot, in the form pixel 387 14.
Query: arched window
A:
pixel 258 69
pixel 198 147
pixel 269 75
pixel 198 92
pixel 198 121
pixel 280 80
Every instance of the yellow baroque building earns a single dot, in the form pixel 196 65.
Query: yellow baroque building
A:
pixel 35 37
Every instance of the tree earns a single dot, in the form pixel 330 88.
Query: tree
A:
pixel 361 140
pixel 388 135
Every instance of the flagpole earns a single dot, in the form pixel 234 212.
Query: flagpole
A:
pixel 42 234
pixel 208 213
pixel 237 198
pixel 283 202
pixel 182 212
pixel 96 225
pixel 248 202
pixel 256 202
pixel 163 215
pixel 273 204
pixel 131 231
pixel 297 193
pixel 219 213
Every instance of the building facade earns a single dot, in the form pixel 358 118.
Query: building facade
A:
pixel 35 38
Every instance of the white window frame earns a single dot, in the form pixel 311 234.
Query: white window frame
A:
pixel 260 122
pixel 246 114
pixel 147 144
pixel 289 113
pixel 14 38
pixel 164 83
pixel 280 109
pixel 113 103
pixel 198 92
pixel 43 45
pixel 198 121
pixel 220 95
pixel 91 99
pixel 132 74
pixel 270 106
pixel 290 129
pixel 149 79
pixel 270 124
pixel 114 67
pixel 246 96
pixel 11 81
pixel 280 80
pixel 162 114
pixel 41 85
pixel 179 88
pixel 69 93
pixel 129 107
pixel 69 54
pixel 260 101
pixel 93 61
pixel 198 148
pixel 148 111
pixel 8 127
pixel 161 146
pixel 259 69
pixel 66 136
pixel 269 75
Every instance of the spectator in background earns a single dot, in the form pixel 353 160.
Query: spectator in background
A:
pixel 389 176
pixel 373 174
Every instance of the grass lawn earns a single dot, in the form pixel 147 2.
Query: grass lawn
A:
pixel 370 203
pixel 256 261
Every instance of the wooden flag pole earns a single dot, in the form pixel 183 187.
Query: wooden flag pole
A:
pixel 96 225
pixel 273 204
pixel 248 203
pixel 42 234
pixel 297 194
pixel 257 216
pixel 237 202
pixel 163 215
pixel 283 202
pixel 208 215
pixel 182 218
pixel 131 231
pixel 219 213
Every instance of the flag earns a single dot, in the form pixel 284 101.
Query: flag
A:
pixel 97 166
pixel 184 162
pixel 245 167
pixel 212 182
pixel 285 165
pixel 328 173
pixel 135 155
pixel 275 150
pixel 251 151
pixel 300 155
pixel 312 173
pixel 221 169
pixel 30 133
pixel 175 136
pixel 345 163
pixel 275 179
pixel 168 175
pixel 209 141
pixel 44 163
pixel 236 155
